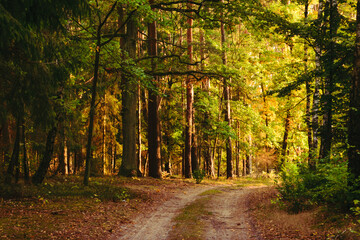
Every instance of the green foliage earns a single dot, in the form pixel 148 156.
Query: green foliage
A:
pixel 199 175
pixel 97 191
pixel 300 187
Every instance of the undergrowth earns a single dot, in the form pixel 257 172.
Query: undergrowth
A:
pixel 98 190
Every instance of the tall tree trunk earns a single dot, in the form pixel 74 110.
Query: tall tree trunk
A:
pixel 139 139
pixel 189 102
pixel 61 156
pixel 92 109
pixel 40 174
pixel 194 151
pixel 208 159
pixel 326 136
pixel 6 140
pixel 219 161
pixel 237 164
pixel 285 139
pixel 308 119
pixel 105 160
pixel 14 161
pixel 153 110
pixel 316 95
pixel 354 123
pixel 25 160
pixel 129 105
pixel 229 167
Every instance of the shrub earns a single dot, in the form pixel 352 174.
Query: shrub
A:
pixel 199 175
pixel 300 187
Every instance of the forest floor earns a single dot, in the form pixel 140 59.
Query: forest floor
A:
pixel 145 208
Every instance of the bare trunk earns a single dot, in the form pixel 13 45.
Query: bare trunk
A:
pixel 92 112
pixel 14 161
pixel 129 163
pixel 40 174
pixel 153 111
pixel 326 135
pixel 25 160
pixel 285 139
pixel 189 104
pixel 229 167
pixel 354 123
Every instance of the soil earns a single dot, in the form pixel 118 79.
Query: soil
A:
pixel 229 218
pixel 157 223
pixel 236 212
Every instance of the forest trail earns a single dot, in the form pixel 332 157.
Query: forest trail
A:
pixel 228 219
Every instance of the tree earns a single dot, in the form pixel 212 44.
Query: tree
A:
pixel 153 108
pixel 189 101
pixel 129 104
pixel 354 114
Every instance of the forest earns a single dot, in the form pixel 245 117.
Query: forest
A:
pixel 190 89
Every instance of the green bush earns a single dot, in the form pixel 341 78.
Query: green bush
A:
pixel 199 175
pixel 300 187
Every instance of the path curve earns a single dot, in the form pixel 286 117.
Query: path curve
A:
pixel 159 223
pixel 230 218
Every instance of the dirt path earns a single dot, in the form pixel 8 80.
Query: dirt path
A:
pixel 229 219
pixel 159 223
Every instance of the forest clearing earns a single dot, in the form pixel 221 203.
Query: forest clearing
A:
pixel 180 119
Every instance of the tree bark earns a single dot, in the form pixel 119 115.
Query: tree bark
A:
pixel 25 160
pixel 40 174
pixel 308 117
pixel 285 139
pixel 327 135
pixel 354 116
pixel 189 103
pixel 14 161
pixel 129 105
pixel 229 167
pixel 153 110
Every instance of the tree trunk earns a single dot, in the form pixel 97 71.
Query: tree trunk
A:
pixel 285 139
pixel 92 110
pixel 25 160
pixel 219 161
pixel 316 95
pixel 61 156
pixel 308 116
pixel 14 161
pixel 229 167
pixel 129 105
pixel 326 135
pixel 237 164
pixel 153 110
pixel 189 103
pixel 6 144
pixel 354 123
pixel 194 151
pixel 40 174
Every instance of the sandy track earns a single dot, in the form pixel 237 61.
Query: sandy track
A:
pixel 230 218
pixel 157 224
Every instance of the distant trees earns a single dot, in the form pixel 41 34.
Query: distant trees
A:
pixel 243 66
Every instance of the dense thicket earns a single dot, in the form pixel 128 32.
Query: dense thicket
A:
pixel 145 87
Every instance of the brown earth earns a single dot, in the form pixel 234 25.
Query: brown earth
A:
pixel 236 213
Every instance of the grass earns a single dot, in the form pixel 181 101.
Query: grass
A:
pixel 189 224
pixel 241 181
pixel 67 187
pixel 211 192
